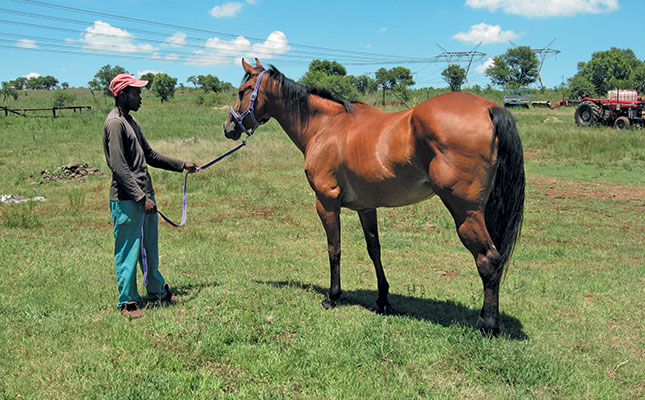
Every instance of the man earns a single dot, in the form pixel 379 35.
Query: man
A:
pixel 132 200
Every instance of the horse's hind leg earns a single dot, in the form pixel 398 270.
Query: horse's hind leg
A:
pixel 329 213
pixel 471 227
pixel 369 222
pixel 474 235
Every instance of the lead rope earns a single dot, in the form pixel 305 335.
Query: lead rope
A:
pixel 144 256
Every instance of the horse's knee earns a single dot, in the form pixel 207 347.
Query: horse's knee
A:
pixel 488 266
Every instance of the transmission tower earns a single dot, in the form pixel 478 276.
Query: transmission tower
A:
pixel 461 56
pixel 542 54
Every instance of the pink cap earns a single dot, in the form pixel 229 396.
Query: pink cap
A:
pixel 122 81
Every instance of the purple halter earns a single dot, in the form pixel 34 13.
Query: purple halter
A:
pixel 249 110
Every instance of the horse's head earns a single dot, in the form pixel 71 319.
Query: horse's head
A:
pixel 248 111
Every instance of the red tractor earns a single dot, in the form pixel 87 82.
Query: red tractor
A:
pixel 622 109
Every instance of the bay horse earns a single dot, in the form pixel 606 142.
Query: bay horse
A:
pixel 461 147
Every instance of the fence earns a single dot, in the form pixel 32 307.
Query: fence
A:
pixel 23 111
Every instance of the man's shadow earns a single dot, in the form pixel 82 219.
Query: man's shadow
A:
pixel 443 312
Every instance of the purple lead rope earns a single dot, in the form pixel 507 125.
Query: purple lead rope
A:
pixel 144 256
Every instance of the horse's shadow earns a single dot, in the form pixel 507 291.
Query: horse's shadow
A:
pixel 443 312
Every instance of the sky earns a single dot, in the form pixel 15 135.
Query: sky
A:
pixel 72 39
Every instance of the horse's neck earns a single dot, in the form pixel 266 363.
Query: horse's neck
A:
pixel 300 132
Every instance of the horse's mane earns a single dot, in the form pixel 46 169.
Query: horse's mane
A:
pixel 296 95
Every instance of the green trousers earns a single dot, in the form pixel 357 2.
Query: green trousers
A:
pixel 128 217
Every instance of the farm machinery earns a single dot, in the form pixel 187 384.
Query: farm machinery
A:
pixel 621 108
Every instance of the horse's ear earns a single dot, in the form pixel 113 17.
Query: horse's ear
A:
pixel 248 68
pixel 258 64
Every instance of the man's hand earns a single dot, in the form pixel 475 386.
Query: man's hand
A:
pixel 191 166
pixel 149 206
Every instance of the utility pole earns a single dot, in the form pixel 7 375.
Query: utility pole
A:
pixel 542 55
pixel 461 56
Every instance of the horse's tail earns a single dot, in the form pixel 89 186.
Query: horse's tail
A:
pixel 505 207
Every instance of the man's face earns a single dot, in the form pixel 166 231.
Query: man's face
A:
pixel 132 98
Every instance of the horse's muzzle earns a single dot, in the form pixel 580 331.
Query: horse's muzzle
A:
pixel 231 129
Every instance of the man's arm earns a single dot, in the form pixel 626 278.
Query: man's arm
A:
pixel 158 160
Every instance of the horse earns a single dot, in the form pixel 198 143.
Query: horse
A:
pixel 460 147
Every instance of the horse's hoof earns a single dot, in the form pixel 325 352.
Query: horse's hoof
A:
pixel 488 330
pixel 328 303
pixel 384 309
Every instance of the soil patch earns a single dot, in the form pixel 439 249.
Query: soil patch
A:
pixel 65 172
pixel 567 189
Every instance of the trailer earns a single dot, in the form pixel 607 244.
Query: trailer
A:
pixel 517 97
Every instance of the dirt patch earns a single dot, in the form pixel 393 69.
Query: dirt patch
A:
pixel 561 188
pixel 552 120
pixel 65 172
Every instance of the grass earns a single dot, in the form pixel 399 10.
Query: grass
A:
pixel 252 266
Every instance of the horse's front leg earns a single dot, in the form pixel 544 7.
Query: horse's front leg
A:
pixel 369 222
pixel 329 213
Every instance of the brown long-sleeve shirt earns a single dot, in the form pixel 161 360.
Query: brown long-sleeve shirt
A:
pixel 128 155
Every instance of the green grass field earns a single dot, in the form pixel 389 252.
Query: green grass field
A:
pixel 252 266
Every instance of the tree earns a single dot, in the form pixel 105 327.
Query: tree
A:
pixel 639 79
pixel 41 82
pixel 103 78
pixel 580 86
pixel 611 69
pixel 61 98
pixel 209 83
pixel 516 68
pixel 454 76
pixel 331 76
pixel 150 77
pixel 328 67
pixel 163 86
pixel 8 91
pixel 19 83
pixel 364 84
pixel 396 79
pixel 192 79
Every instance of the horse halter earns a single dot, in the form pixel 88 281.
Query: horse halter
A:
pixel 249 110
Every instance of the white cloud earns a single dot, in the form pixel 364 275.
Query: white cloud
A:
pixel 27 44
pixel 275 45
pixel 145 71
pixel 487 64
pixel 227 10
pixel 485 33
pixel 226 52
pixel 105 37
pixel 236 46
pixel 201 57
pixel 32 75
pixel 547 8
pixel 177 40
pixel 382 30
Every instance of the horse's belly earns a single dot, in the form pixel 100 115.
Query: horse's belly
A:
pixel 392 193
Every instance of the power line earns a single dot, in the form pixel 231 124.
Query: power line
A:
pixel 360 57
pixel 204 31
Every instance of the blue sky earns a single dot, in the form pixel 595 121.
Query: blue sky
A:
pixel 72 40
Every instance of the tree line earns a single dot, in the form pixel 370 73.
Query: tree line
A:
pixel 517 67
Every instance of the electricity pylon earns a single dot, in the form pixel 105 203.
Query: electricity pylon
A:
pixel 461 56
pixel 542 54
